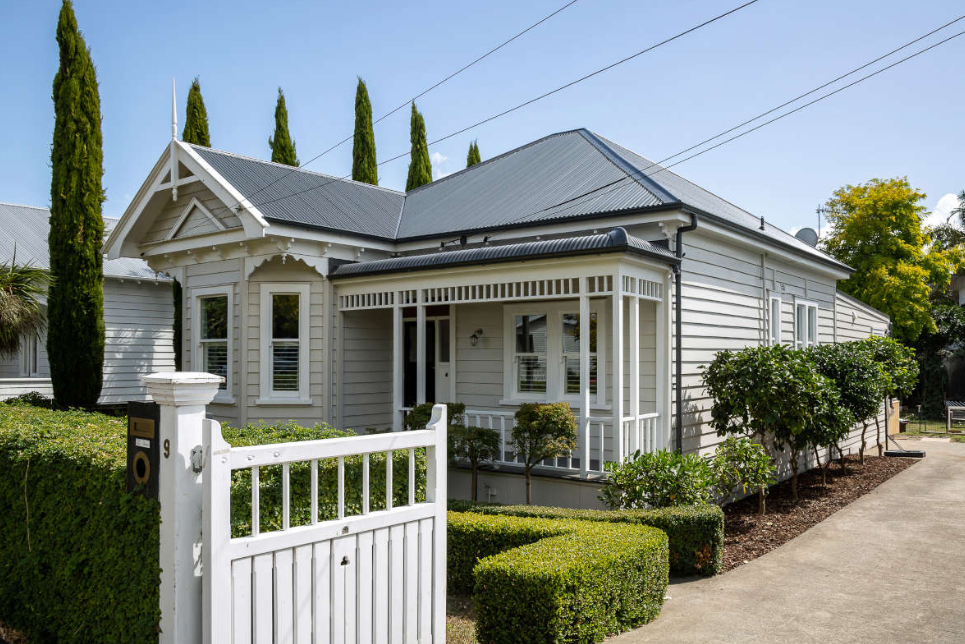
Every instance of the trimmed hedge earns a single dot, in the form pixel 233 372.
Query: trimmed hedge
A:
pixel 550 580
pixel 696 533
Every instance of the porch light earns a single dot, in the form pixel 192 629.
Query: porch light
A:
pixel 474 338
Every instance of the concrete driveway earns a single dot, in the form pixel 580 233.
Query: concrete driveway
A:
pixel 890 567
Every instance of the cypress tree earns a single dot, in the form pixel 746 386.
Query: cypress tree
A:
pixel 473 157
pixel 364 164
pixel 196 118
pixel 281 144
pixel 75 301
pixel 420 168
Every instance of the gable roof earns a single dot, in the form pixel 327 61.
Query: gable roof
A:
pixel 27 228
pixel 561 177
pixel 616 240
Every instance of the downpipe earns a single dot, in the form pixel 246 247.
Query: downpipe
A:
pixel 678 330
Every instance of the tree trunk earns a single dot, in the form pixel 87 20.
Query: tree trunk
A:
pixel 475 482
pixel 761 508
pixel 844 466
pixel 881 449
pixel 794 466
pixel 824 469
pixel 529 487
pixel 864 429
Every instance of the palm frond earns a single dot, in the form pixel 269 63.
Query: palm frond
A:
pixel 22 287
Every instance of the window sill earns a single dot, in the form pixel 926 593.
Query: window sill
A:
pixel 289 402
pixel 574 404
pixel 223 399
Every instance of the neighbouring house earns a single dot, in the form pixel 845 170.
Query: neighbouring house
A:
pixel 548 273
pixel 138 316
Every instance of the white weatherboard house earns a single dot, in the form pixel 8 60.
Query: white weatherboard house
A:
pixel 549 273
pixel 138 316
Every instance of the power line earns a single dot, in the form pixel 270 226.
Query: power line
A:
pixel 533 100
pixel 418 96
pixel 661 168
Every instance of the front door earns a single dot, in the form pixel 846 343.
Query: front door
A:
pixel 437 361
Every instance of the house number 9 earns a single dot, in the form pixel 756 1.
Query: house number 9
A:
pixel 167 447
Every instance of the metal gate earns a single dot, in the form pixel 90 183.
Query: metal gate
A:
pixel 378 576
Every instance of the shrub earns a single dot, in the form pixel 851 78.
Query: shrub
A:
pixel 420 415
pixel 32 398
pixel 740 465
pixel 657 480
pixel 473 444
pixel 696 533
pixel 560 581
pixel 542 431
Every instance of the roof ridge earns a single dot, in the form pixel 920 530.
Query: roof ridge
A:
pixel 294 168
pixel 23 205
pixel 495 158
pixel 605 147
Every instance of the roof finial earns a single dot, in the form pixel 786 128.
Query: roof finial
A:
pixel 174 114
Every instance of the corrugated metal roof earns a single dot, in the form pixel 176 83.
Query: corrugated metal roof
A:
pixel 27 228
pixel 615 240
pixel 296 196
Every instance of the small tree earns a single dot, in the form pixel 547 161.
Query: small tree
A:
pixel 476 445
pixel 473 157
pixel 420 167
pixel 281 143
pixel 542 431
pixel 657 480
pixel 419 416
pixel 899 371
pixel 22 287
pixel 364 165
pixel 739 465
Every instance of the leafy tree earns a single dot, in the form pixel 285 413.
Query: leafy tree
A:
pixel 542 431
pixel 420 168
pixel 899 370
pixel 196 118
pixel 365 167
pixel 22 288
pixel 476 445
pixel 281 143
pixel 657 480
pixel 932 348
pixel 739 465
pixel 75 302
pixel 876 228
pixel 473 157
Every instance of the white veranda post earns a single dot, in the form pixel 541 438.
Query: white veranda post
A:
pixel 397 367
pixel 618 437
pixel 420 334
pixel 634 337
pixel 583 433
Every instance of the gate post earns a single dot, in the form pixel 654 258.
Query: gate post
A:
pixel 182 397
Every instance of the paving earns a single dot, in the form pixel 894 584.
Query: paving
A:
pixel 890 567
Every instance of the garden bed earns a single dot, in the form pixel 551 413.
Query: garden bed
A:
pixel 748 535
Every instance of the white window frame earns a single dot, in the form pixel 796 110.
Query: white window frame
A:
pixel 29 361
pixel 807 306
pixel 226 395
pixel 555 369
pixel 774 322
pixel 266 395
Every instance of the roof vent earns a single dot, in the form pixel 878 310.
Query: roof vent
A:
pixel 808 236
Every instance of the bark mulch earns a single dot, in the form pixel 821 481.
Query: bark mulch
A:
pixel 748 535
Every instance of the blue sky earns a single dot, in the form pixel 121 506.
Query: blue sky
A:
pixel 907 121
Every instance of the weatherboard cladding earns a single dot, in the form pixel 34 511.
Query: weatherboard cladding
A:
pixel 25 228
pixel 569 175
pixel 612 241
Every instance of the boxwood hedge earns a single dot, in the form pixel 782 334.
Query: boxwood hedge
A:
pixel 79 555
pixel 696 533
pixel 551 580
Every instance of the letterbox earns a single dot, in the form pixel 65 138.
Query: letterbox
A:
pixel 143 424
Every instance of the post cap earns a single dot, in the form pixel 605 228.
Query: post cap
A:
pixel 181 388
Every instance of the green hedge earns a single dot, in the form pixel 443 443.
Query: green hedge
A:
pixel 550 580
pixel 88 572
pixel 696 533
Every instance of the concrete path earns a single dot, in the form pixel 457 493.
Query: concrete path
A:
pixel 890 567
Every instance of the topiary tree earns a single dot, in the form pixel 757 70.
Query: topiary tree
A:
pixel 542 431
pixel 281 143
pixel 739 465
pixel 476 445
pixel 899 371
pixel 419 416
pixel 75 301
pixel 857 377
pixel 365 167
pixel 22 288
pixel 420 168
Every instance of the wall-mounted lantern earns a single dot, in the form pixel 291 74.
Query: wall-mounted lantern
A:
pixel 474 338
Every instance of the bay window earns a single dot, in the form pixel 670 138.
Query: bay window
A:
pixel 284 344
pixel 212 335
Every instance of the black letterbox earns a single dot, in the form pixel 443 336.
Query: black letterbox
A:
pixel 143 424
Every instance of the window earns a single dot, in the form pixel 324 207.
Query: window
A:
pixel 30 356
pixel 805 324
pixel 212 335
pixel 284 343
pixel 774 320
pixel 542 355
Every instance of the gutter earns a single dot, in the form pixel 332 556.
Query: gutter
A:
pixel 678 328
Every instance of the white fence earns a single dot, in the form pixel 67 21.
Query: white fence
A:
pixel 376 576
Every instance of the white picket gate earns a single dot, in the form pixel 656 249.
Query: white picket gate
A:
pixel 375 577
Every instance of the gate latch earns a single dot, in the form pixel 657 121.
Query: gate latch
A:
pixel 345 561
pixel 197 459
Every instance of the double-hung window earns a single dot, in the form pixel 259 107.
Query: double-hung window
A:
pixel 805 324
pixel 212 335
pixel 774 320
pixel 284 343
pixel 30 355
pixel 529 360
pixel 571 353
